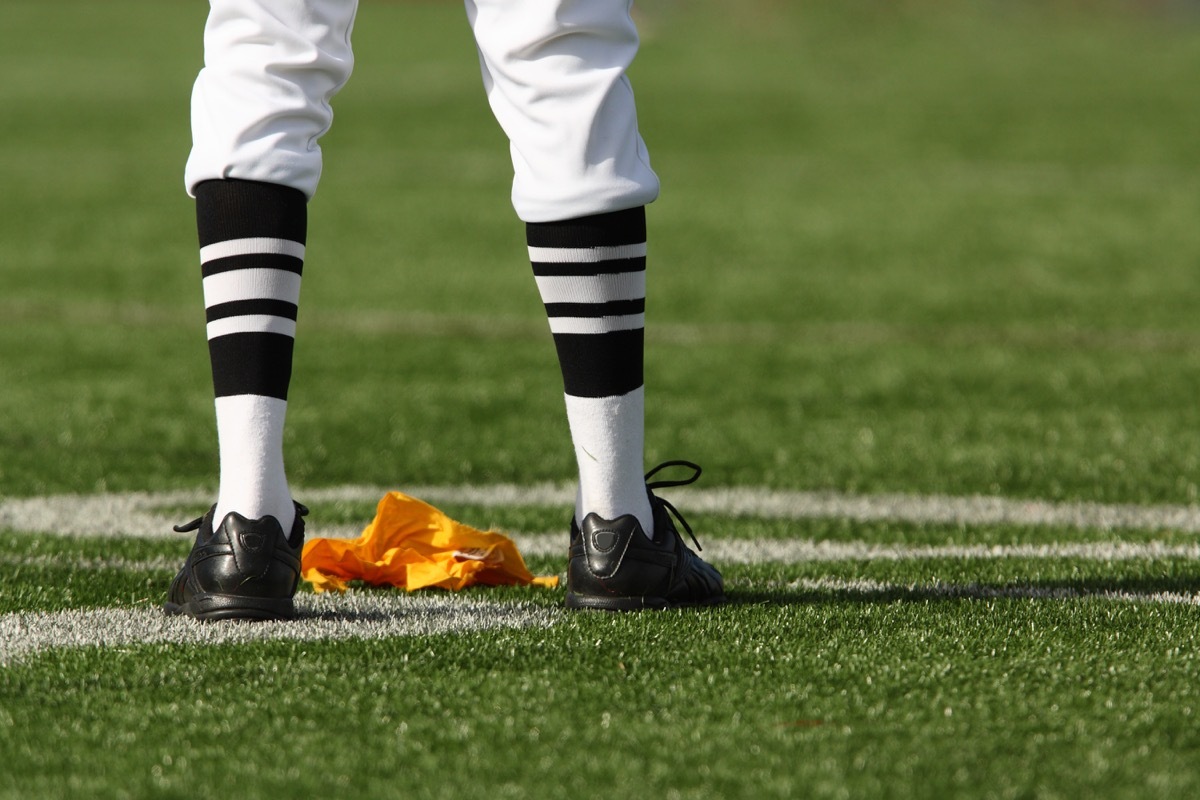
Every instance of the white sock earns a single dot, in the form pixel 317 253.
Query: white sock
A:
pixel 250 432
pixel 609 434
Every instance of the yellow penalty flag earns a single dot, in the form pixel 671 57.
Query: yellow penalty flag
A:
pixel 414 545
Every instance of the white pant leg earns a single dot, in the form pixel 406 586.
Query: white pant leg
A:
pixel 554 71
pixel 262 100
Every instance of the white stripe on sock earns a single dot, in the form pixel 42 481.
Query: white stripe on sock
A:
pixel 254 246
pixel 259 283
pixel 626 322
pixel 592 288
pixel 586 255
pixel 252 323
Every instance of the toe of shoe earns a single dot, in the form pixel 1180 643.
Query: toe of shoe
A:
pixel 698 583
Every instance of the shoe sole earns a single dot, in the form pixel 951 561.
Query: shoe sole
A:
pixel 216 607
pixel 582 602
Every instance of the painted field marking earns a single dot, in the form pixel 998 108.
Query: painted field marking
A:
pixel 147 514
pixel 379 615
pixel 357 615
pixel 878 590
pixel 742 551
pixel 349 616
pixel 801 551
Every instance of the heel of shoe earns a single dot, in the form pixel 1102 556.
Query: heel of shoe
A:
pixel 214 607
pixel 602 603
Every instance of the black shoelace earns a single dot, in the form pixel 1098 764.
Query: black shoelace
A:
pixel 188 527
pixel 661 484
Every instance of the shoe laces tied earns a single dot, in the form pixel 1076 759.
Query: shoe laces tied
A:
pixel 661 484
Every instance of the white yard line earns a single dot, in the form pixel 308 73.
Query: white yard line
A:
pixel 83 563
pixel 743 551
pixel 149 515
pixel 740 551
pixel 878 590
pixel 144 514
pixel 799 551
pixel 375 615
pixel 349 616
pixel 386 615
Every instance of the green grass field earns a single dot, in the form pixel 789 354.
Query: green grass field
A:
pixel 907 254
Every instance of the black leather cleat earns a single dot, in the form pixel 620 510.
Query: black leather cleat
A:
pixel 245 569
pixel 614 566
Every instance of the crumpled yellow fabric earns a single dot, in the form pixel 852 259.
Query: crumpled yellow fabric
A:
pixel 413 545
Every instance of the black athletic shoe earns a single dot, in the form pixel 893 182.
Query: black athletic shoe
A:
pixel 614 566
pixel 245 569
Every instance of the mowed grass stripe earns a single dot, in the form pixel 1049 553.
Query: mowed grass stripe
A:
pixel 141 513
pixel 438 324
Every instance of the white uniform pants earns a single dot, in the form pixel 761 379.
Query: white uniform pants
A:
pixel 554 71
